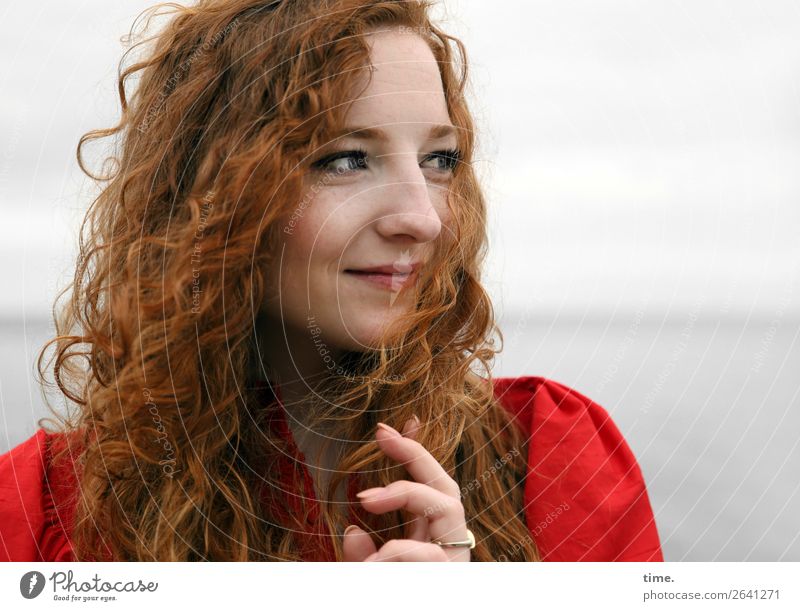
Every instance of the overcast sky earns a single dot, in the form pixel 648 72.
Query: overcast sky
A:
pixel 631 151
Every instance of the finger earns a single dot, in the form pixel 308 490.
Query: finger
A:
pixel 419 463
pixel 411 427
pixel 419 529
pixel 444 514
pixel 404 550
pixel 356 544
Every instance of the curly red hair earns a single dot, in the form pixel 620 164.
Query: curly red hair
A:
pixel 231 96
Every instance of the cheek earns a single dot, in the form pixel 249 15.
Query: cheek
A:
pixel 326 232
pixel 307 241
pixel 310 260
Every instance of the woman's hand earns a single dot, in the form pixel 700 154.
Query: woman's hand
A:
pixel 434 499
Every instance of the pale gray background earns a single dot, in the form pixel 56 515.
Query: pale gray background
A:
pixel 641 162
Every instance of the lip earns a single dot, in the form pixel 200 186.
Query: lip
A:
pixel 392 268
pixel 390 281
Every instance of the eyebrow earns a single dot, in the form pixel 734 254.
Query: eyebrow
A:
pixel 436 132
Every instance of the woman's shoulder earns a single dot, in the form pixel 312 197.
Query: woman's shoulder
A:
pixel 585 495
pixel 528 397
pixel 36 500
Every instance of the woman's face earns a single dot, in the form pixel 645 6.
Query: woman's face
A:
pixel 374 198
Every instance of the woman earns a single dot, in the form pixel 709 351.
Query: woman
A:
pixel 281 271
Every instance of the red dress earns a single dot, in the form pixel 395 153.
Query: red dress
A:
pixel 585 497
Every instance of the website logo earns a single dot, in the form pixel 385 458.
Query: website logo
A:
pixel 31 584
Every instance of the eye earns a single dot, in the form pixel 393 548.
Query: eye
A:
pixel 342 162
pixel 445 160
pixel 345 162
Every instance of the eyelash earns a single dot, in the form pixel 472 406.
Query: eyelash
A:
pixel 451 156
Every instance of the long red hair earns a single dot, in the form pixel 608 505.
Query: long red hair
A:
pixel 155 347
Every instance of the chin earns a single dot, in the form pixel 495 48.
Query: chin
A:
pixel 364 332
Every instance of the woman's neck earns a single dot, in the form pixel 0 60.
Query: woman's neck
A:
pixel 295 366
pixel 291 359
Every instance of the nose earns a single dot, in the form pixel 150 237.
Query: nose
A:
pixel 409 210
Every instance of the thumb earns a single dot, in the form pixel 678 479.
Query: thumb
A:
pixel 356 544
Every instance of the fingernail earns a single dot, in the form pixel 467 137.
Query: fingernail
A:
pixel 349 529
pixel 413 422
pixel 369 493
pixel 389 429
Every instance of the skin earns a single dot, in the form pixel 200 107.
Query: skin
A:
pixel 390 213
pixel 432 496
pixel 390 210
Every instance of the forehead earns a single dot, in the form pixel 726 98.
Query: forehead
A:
pixel 406 85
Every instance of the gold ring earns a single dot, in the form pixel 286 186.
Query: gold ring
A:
pixel 470 542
